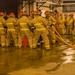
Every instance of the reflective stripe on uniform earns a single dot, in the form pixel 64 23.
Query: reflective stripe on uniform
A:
pixel 41 28
pixel 38 24
pixel 24 29
pixel 11 29
pixel 2 44
pixel 47 46
pixel 9 23
pixel 23 23
pixel 34 44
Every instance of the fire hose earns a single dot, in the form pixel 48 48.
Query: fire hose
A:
pixel 60 38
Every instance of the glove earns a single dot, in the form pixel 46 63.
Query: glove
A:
pixel 5 27
pixel 51 25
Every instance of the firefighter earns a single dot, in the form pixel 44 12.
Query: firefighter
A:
pixel 10 23
pixel 40 30
pixel 32 17
pixel 2 30
pixel 18 33
pixel 70 24
pixel 73 32
pixel 66 22
pixel 61 21
pixel 56 16
pixel 24 29
pixel 51 21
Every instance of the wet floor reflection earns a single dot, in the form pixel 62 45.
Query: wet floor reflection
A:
pixel 69 51
pixel 68 59
pixel 69 56
pixel 13 59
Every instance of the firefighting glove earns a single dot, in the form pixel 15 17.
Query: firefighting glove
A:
pixel 51 25
pixel 5 27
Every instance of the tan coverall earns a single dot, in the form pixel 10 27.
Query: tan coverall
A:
pixel 52 21
pixel 70 26
pixel 10 22
pixel 73 32
pixel 25 31
pixel 61 21
pixel 40 30
pixel 2 31
pixel 66 22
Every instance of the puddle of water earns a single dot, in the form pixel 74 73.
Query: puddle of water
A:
pixel 69 51
pixel 68 59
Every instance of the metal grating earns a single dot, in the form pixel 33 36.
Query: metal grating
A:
pixel 68 5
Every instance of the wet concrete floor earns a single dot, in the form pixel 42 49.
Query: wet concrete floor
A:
pixel 60 60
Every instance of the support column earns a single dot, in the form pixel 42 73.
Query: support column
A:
pixel 34 6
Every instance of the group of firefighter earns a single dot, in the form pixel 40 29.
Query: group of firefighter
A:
pixel 29 29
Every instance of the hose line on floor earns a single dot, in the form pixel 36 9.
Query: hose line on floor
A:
pixel 60 38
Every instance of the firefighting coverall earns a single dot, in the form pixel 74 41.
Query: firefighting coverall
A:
pixel 24 29
pixel 56 24
pixel 61 25
pixel 2 31
pixel 70 26
pixel 40 23
pixel 52 21
pixel 66 22
pixel 10 23
pixel 73 32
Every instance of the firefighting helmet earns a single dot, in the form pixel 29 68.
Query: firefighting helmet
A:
pixel 1 13
pixel 32 12
pixel 36 12
pixel 24 13
pixel 71 15
pixel 47 12
pixel 11 15
pixel 65 14
pixel 61 14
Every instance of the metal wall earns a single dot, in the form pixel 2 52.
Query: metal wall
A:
pixel 9 6
pixel 26 5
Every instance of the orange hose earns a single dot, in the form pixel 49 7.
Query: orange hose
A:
pixel 60 38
